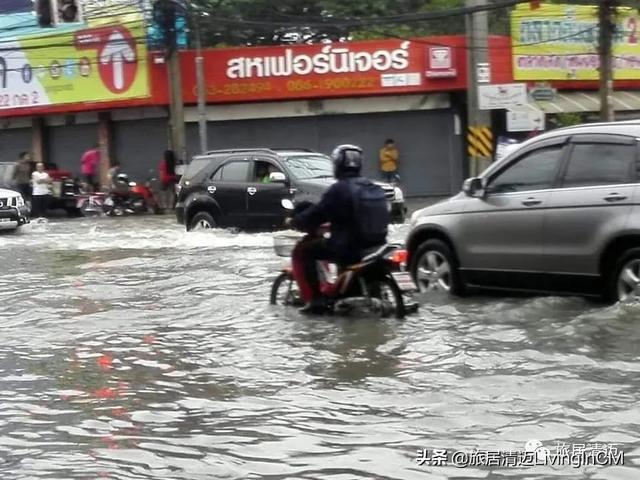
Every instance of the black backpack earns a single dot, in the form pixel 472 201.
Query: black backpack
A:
pixel 371 212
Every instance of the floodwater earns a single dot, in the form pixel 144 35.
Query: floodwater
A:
pixel 134 350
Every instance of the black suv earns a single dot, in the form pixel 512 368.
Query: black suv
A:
pixel 257 188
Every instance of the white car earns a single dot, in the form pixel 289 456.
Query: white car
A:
pixel 13 211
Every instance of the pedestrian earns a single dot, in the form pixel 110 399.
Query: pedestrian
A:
pixel 168 179
pixel 90 162
pixel 22 175
pixel 113 173
pixel 41 182
pixel 389 157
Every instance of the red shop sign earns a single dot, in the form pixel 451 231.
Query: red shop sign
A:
pixel 309 71
pixel 441 63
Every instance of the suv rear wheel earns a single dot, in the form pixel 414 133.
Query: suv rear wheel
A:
pixel 624 282
pixel 434 268
pixel 202 221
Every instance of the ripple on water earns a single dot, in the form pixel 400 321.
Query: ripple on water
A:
pixel 133 350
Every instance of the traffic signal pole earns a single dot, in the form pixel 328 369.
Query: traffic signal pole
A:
pixel 176 105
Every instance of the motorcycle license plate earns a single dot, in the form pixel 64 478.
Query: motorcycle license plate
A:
pixel 404 281
pixel 108 202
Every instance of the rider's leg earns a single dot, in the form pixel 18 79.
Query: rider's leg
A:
pixel 311 252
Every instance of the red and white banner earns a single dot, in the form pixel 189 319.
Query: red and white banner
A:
pixel 313 71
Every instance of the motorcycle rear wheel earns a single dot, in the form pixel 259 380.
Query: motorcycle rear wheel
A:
pixel 284 291
pixel 389 293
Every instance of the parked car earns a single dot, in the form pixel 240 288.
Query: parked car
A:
pixel 13 211
pixel 64 187
pixel 250 188
pixel 559 215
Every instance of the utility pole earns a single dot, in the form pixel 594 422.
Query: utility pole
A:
pixel 479 137
pixel 202 108
pixel 168 14
pixel 606 20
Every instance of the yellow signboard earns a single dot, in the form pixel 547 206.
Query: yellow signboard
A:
pixel 102 61
pixel 560 42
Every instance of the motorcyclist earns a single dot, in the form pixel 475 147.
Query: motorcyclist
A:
pixel 336 207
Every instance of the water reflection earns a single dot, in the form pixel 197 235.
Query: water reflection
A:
pixel 136 351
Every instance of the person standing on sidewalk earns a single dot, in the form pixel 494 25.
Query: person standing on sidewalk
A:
pixel 389 157
pixel 22 175
pixel 41 182
pixel 89 164
pixel 168 179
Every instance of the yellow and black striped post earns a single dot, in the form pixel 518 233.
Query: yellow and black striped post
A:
pixel 479 147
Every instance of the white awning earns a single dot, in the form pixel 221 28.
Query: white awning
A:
pixel 575 102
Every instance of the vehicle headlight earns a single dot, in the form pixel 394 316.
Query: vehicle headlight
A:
pixel 399 196
pixel 19 201
pixel 287 204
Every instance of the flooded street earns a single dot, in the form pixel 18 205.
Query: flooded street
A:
pixel 134 350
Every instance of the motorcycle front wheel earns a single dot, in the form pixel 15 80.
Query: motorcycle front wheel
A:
pixel 284 291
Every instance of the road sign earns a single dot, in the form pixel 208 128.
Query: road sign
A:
pixel 525 120
pixel 480 141
pixel 543 94
pixel 506 96
pixel 483 73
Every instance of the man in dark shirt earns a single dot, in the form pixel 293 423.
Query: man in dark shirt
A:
pixel 336 207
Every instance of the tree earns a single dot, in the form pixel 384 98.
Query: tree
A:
pixel 264 22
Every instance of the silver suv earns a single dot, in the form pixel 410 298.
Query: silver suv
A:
pixel 560 215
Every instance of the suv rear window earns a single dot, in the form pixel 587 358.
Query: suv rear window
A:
pixel 233 172
pixel 600 164
pixel 195 167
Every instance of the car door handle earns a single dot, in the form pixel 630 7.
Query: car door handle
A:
pixel 252 190
pixel 615 197
pixel 530 202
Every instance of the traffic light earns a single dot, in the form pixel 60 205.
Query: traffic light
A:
pixel 69 11
pixel 55 12
pixel 43 13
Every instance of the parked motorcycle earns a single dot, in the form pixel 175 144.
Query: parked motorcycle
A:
pixel 91 204
pixel 125 197
pixel 376 285
pixel 129 197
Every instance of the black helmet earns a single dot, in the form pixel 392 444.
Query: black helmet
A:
pixel 347 160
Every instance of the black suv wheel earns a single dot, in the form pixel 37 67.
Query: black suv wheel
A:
pixel 202 221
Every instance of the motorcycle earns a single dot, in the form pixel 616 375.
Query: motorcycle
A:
pixel 377 284
pixel 125 197
pixel 91 204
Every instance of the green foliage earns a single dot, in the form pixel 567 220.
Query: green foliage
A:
pixel 310 21
pixel 270 22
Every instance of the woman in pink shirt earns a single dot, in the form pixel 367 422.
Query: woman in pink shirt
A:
pixel 89 167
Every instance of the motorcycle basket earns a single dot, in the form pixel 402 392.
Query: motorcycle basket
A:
pixel 283 244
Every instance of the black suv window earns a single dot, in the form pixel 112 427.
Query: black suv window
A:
pixel 263 170
pixel 196 166
pixel 232 172
pixel 534 171
pixel 600 164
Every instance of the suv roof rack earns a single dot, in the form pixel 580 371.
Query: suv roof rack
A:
pixel 283 149
pixel 239 150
